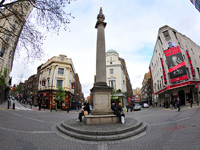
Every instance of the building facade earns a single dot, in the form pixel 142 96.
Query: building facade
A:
pixel 12 21
pixel 196 3
pixel 117 77
pixel 58 71
pixel 174 67
pixel 145 88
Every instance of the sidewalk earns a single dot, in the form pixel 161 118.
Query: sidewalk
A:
pixel 4 106
pixel 183 107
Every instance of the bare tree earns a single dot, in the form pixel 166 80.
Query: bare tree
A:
pixel 46 16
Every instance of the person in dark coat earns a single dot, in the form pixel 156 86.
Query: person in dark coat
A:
pixel 191 101
pixel 120 111
pixel 178 103
pixel 39 105
pixel 88 108
pixel 113 107
pixel 131 107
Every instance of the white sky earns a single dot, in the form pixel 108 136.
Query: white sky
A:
pixel 131 30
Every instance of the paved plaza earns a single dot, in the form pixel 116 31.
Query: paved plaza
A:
pixel 29 129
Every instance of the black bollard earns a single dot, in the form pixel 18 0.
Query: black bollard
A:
pixel 13 105
pixel 8 104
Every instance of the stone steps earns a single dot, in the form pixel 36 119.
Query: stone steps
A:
pixel 136 129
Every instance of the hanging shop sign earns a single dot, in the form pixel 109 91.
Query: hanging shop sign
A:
pixel 73 85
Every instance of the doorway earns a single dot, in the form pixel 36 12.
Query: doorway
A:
pixel 181 95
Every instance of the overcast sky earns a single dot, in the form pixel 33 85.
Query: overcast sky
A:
pixel 132 28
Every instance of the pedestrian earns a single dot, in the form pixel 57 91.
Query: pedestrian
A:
pixel 175 103
pixel 39 106
pixel 81 113
pixel 131 107
pixel 171 103
pixel 191 101
pixel 164 104
pixel 178 103
pixel 120 112
pixel 127 107
pixel 113 107
pixel 88 108
pixel 156 104
pixel 167 106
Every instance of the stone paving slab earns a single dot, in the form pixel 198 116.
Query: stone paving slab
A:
pixel 107 127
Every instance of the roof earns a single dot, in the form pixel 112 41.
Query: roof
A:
pixel 111 51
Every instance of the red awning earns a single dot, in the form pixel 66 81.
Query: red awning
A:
pixel 173 86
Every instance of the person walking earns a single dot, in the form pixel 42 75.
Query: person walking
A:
pixel 156 104
pixel 131 107
pixel 191 101
pixel 175 103
pixel 127 107
pixel 178 103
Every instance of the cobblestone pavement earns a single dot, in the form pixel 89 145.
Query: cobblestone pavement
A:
pixel 23 129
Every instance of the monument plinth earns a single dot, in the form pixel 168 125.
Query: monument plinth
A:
pixel 101 91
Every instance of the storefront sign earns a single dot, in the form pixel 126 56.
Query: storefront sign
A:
pixel 176 64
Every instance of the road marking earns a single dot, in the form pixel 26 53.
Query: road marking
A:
pixel 32 118
pixel 9 109
pixel 21 131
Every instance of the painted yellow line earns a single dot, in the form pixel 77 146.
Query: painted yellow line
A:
pixel 9 109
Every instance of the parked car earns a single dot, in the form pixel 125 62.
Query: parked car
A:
pixel 145 105
pixel 137 106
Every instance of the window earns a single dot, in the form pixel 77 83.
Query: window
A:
pixel 49 71
pixel 175 35
pixel 111 71
pixel 166 34
pixel 59 83
pixel 14 25
pixel 179 44
pixel 188 73
pixel 2 51
pixel 160 40
pixel 7 37
pixel 112 84
pixel 4 23
pixel 61 71
pixel 198 72
pixel 27 6
pixel 48 83
pixel 110 59
pixel 183 56
pixel 192 50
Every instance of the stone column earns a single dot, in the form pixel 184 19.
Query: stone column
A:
pixel 102 93
pixel 100 55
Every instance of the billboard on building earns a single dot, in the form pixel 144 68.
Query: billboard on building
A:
pixel 176 64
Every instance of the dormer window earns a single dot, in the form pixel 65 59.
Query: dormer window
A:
pixel 166 34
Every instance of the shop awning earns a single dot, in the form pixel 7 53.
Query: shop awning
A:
pixel 174 86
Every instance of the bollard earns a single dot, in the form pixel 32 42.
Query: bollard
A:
pixel 8 104
pixel 13 105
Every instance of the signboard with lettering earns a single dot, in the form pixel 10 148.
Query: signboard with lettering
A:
pixel 176 64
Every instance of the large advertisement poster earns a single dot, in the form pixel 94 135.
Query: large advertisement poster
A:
pixel 176 64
